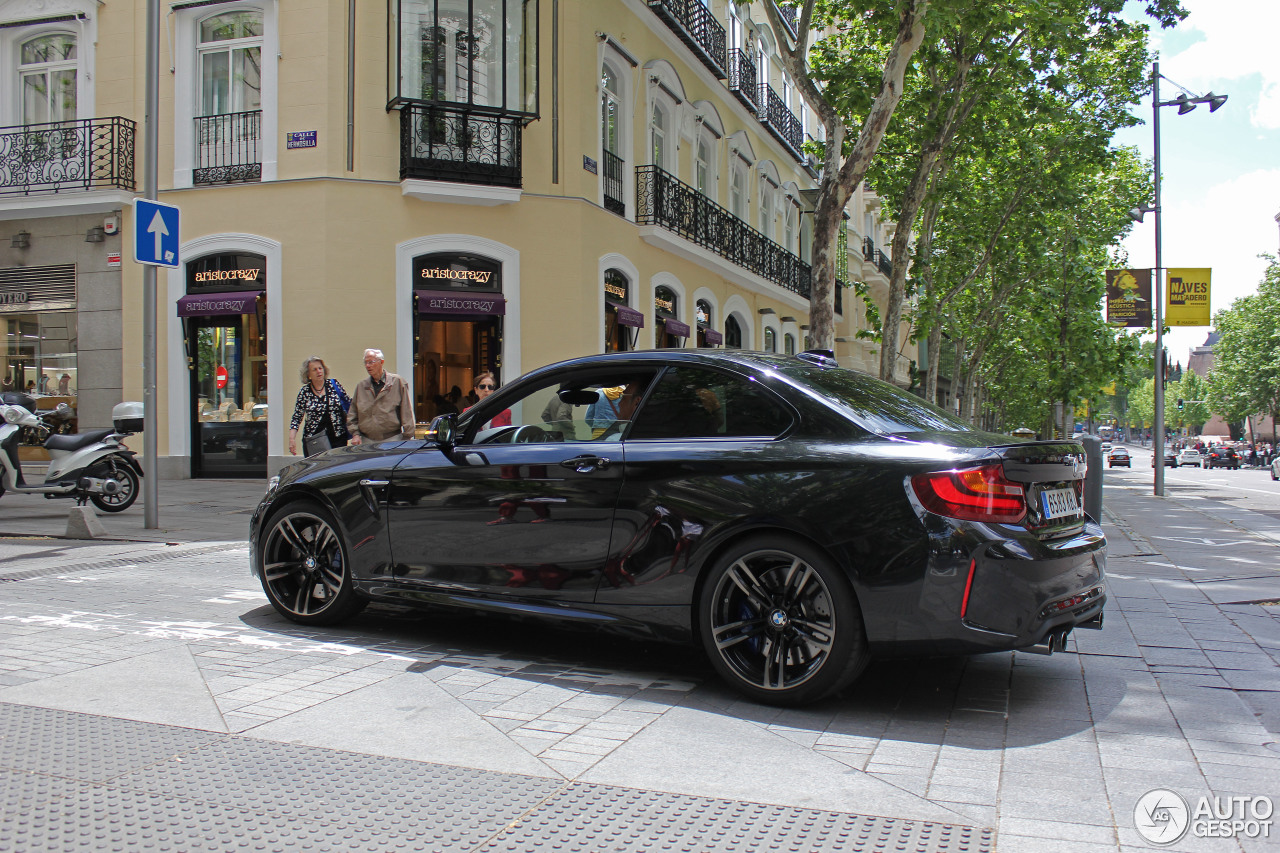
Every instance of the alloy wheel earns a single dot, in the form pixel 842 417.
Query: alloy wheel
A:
pixel 303 567
pixel 773 620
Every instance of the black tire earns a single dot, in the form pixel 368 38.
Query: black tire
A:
pixel 303 564
pixel 779 623
pixel 125 477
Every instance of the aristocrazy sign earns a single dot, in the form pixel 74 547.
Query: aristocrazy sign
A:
pixel 1187 296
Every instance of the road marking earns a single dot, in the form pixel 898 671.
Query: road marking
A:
pixel 1191 540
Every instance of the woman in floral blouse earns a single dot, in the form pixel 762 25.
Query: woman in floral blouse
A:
pixel 320 400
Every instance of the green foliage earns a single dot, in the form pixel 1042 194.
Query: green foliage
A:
pixel 1193 415
pixel 1246 369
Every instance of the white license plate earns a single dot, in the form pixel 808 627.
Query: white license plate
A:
pixel 1060 503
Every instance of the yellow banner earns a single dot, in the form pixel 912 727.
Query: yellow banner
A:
pixel 1187 296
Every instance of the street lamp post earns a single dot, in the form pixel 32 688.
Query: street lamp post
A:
pixel 1185 102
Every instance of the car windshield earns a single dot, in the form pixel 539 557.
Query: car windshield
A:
pixel 875 405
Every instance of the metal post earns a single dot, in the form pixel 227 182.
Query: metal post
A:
pixel 1157 294
pixel 150 430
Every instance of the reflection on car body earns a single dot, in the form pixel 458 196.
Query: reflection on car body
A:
pixel 792 517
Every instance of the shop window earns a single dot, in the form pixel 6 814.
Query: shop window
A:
pixel 770 340
pixel 705 318
pixel 732 333
pixel 666 304
pixel 789 344
pixel 619 330
pixel 39 358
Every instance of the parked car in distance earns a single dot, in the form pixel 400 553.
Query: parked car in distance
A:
pixel 1170 458
pixel 1190 456
pixel 789 517
pixel 1221 457
pixel 1119 456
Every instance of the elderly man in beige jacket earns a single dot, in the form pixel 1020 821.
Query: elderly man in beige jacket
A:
pixel 382 405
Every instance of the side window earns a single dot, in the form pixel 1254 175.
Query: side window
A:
pixel 690 402
pixel 595 408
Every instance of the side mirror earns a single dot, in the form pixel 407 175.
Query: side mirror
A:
pixel 443 430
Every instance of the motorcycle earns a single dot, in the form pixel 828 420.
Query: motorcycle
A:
pixel 88 466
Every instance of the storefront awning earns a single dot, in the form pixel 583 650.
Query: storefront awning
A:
pixel 628 316
pixel 675 327
pixel 713 337
pixel 218 304
pixel 461 302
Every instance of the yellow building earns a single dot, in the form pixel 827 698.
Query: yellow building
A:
pixel 468 185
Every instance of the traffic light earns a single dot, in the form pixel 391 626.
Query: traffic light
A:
pixel 1179 404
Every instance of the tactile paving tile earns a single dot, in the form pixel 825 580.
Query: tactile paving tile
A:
pixel 84 746
pixel 436 803
pixel 605 819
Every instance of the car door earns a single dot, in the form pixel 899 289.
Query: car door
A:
pixel 703 446
pixel 521 509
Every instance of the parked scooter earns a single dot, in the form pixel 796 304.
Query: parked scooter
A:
pixel 91 465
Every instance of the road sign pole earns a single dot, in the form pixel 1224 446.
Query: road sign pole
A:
pixel 150 429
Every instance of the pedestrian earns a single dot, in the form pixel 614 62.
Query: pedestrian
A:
pixel 486 384
pixel 324 403
pixel 382 406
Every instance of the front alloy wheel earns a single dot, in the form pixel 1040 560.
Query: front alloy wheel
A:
pixel 304 567
pixel 780 624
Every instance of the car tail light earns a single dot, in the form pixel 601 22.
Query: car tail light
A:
pixel 972 494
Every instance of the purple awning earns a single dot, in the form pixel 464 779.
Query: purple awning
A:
pixel 217 304
pixel 629 316
pixel 713 337
pixel 460 302
pixel 675 327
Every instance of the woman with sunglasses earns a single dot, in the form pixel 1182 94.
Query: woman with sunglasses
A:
pixel 485 385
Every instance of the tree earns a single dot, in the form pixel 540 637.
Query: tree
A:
pixel 1193 392
pixel 1246 368
pixel 890 31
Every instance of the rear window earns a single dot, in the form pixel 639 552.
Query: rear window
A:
pixel 875 405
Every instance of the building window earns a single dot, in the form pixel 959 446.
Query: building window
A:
pixel 611 136
pixel 702 167
pixel 230 63
pixel 789 344
pixel 47 77
pixel 732 333
pixel 738 190
pixel 658 132
pixel 770 340
pixel 767 192
pixel 478 52
pixel 666 305
pixel 704 317
pixel 789 227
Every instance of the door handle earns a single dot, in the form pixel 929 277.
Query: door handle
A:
pixel 586 464
pixel 371 500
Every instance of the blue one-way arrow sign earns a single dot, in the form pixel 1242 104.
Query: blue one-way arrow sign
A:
pixel 155 233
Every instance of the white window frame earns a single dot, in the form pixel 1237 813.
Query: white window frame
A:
pixel 662 141
pixel 768 203
pixel 85 30
pixel 623 73
pixel 186 85
pixel 739 189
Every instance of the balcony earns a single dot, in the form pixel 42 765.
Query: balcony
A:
pixel 782 123
pixel 791 17
pixel 665 201
pixel 697 28
pixel 742 79
pixel 884 264
pixel 227 148
pixel 85 154
pixel 613 169
pixel 868 249
pixel 460 144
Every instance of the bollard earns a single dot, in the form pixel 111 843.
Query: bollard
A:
pixel 1093 477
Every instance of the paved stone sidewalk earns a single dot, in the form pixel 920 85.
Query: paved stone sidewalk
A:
pixel 1049 753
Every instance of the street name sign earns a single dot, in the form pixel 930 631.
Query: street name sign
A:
pixel 155 233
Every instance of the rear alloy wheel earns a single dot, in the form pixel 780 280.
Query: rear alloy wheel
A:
pixel 780 624
pixel 304 567
pixel 126 486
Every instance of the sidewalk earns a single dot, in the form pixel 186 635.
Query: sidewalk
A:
pixel 223 724
pixel 188 511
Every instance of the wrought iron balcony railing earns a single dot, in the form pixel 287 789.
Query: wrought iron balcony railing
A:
pixel 868 249
pixel 782 123
pixel 883 263
pixel 664 200
pixel 697 28
pixel 790 16
pixel 742 79
pixel 446 142
pixel 227 148
pixel 613 169
pixel 84 154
